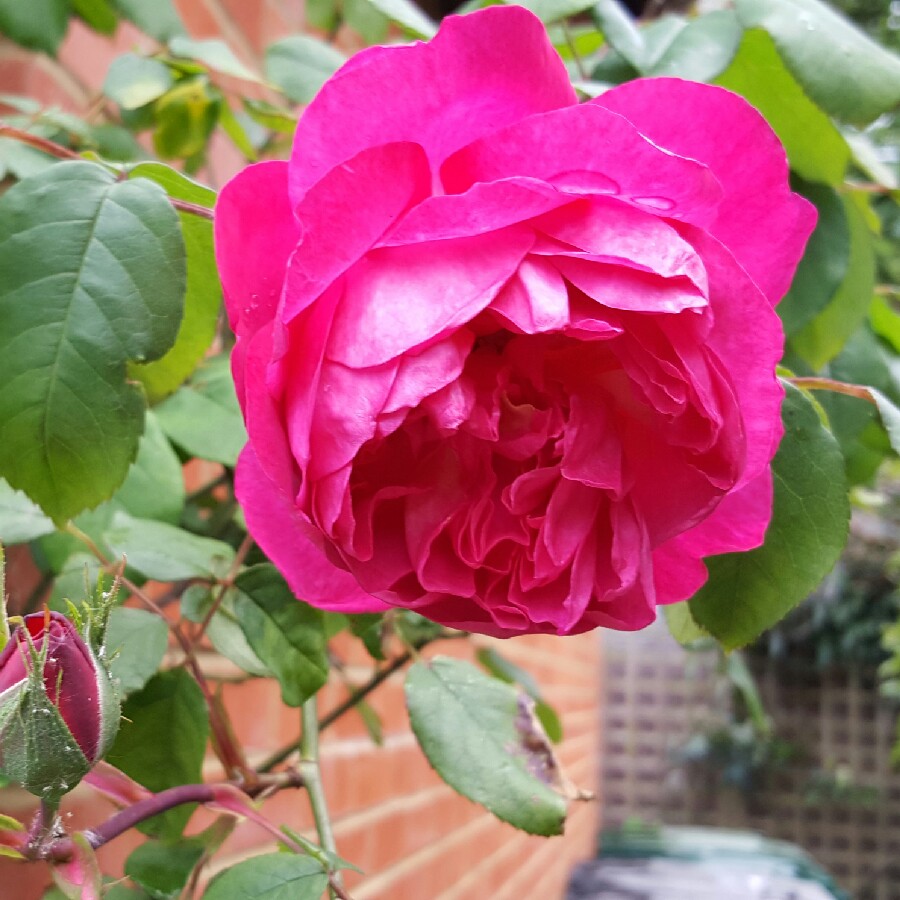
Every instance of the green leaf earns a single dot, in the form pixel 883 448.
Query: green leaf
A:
pixel 224 630
pixel 500 667
pixel 555 10
pixel 702 50
pixel 890 417
pixel 185 118
pixel 77 576
pixel 21 520
pixel 408 16
pixel 136 641
pixel 286 634
pixel 133 81
pixel 163 868
pixel 824 336
pixel 273 876
pixel 621 31
pixel 816 149
pixel 824 263
pixel 215 54
pixel 203 298
pixel 468 725
pixel 21 161
pixel 749 592
pixel 300 65
pixel 110 291
pixel 844 71
pixel 270 116
pixel 368 628
pixel 36 24
pixel 159 19
pixel 204 418
pixel 682 626
pixel 164 552
pixel 371 25
pixel 232 126
pixel 98 14
pixel 162 741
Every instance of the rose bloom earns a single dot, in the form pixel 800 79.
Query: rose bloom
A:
pixel 506 359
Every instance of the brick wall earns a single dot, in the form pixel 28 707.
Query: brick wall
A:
pixel 413 837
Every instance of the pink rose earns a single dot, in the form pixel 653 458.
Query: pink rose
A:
pixel 506 359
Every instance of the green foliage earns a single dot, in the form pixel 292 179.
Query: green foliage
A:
pixel 163 868
pixel 112 291
pixel 300 65
pixel 274 876
pixel 38 25
pixel 136 641
pixel 474 732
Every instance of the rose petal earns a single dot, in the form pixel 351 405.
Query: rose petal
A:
pixel 463 84
pixel 763 224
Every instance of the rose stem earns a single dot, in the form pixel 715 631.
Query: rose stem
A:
pixel 837 387
pixel 60 152
pixel 309 769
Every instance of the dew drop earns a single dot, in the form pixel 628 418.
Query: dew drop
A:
pixel 661 203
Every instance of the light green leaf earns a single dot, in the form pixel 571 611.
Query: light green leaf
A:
pixel 749 592
pixel 232 126
pixel 162 742
pixel 286 634
pixel 555 10
pixel 408 16
pixel 469 726
pixel 847 73
pixel 890 417
pixel 163 869
pixel 36 24
pixel 273 876
pixel 702 50
pixel 816 149
pixel 133 81
pixel 203 298
pixel 21 161
pixel 159 19
pixel 300 65
pixel 824 336
pixel 214 54
pixel 185 118
pixel 111 290
pixel 825 261
pixel 164 552
pixel 76 579
pixel 204 417
pixel 21 520
pixel 371 25
pixel 621 32
pixel 270 116
pixel 136 642
pixel 682 626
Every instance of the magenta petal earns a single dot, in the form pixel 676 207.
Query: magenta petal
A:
pixel 255 232
pixel 763 224
pixel 463 84
pixel 587 150
pixel 286 537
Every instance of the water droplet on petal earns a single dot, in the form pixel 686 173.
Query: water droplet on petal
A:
pixel 664 204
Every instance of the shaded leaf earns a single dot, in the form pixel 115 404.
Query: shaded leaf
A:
pixel 159 19
pixel 21 519
pixel 213 53
pixel 273 876
pixel 36 24
pixel 701 50
pixel 133 81
pixel 136 641
pixel 163 868
pixel 98 14
pixel 408 16
pixel 300 65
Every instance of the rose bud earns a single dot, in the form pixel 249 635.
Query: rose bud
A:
pixel 508 359
pixel 58 709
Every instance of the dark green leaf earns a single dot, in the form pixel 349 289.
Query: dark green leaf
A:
pixel 703 49
pixel 162 741
pixel 204 417
pixel 824 263
pixel 273 876
pixel 163 868
pixel 111 290
pixel 185 118
pixel 36 24
pixel 470 727
pixel 98 14
pixel 159 19
pixel 203 298
pixel 843 70
pixel 286 634
pixel 368 628
pixel 300 65
pixel 749 592
pixel 136 642
pixel 824 336
pixel 21 519
pixel 164 552
pixel 816 149
pixel 133 81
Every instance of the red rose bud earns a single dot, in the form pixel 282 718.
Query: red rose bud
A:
pixel 58 709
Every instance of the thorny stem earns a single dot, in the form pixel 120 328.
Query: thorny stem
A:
pixel 226 748
pixel 309 769
pixel 60 152
pixel 226 583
